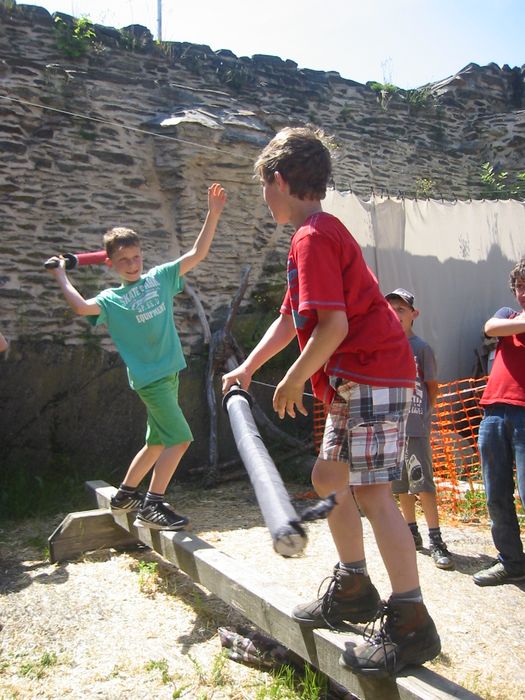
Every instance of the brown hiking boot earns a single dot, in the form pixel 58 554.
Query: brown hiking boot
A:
pixel 351 597
pixel 407 635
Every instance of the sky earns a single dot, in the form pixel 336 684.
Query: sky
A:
pixel 405 42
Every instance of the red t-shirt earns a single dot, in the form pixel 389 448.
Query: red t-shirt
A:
pixel 506 383
pixel 326 270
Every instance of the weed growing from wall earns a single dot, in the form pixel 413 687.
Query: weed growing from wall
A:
pixel 384 91
pixel 424 187
pixel 130 42
pixel 419 99
pixel 74 40
pixel 496 184
pixel 9 5
pixel 236 75
pixel 193 60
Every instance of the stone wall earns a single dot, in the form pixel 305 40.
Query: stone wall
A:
pixel 132 133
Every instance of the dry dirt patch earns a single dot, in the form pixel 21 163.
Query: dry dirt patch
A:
pixel 93 629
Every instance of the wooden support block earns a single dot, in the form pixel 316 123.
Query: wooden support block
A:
pixel 268 605
pixel 84 532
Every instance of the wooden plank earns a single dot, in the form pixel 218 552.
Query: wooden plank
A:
pixel 84 532
pixel 430 685
pixel 269 605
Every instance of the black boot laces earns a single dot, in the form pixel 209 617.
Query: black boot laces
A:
pixel 385 618
pixel 327 598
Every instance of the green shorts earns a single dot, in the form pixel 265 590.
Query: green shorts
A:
pixel 416 473
pixel 166 423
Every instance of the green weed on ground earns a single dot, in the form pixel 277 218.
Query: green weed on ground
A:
pixel 39 667
pixel 287 683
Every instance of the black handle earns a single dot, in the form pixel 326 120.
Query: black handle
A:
pixel 71 262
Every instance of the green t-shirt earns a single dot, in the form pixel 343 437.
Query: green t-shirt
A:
pixel 139 318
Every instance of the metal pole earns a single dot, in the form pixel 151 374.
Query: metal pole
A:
pixel 159 20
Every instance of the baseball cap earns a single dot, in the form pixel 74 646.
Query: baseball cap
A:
pixel 403 294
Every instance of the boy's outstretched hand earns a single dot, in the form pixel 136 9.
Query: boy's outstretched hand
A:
pixel 216 198
pixel 201 247
pixel 287 398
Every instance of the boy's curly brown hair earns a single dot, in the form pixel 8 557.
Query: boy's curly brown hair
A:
pixel 119 237
pixel 517 273
pixel 302 158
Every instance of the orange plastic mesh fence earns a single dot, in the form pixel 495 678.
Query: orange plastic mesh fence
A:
pixel 319 413
pixel 454 442
pixel 455 456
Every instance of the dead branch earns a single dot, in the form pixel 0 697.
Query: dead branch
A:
pixel 225 352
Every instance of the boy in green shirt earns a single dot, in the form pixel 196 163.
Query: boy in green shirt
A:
pixel 139 316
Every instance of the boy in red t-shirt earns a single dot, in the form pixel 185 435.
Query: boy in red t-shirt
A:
pixel 501 437
pixel 360 364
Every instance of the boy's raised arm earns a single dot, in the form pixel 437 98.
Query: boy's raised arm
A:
pixel 73 297
pixel 216 202
pixel 499 327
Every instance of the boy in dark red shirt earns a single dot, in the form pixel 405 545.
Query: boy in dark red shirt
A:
pixel 359 361
pixel 502 437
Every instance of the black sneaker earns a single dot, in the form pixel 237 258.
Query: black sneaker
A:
pixel 418 540
pixel 126 502
pixel 440 554
pixel 348 597
pixel 497 574
pixel 407 635
pixel 160 516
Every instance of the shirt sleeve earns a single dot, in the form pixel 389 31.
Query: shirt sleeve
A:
pixel 102 317
pixel 170 273
pixel 505 312
pixel 320 279
pixel 286 305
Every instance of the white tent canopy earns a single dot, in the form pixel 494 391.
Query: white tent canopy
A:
pixel 454 256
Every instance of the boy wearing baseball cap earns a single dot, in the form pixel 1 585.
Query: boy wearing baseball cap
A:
pixel 416 474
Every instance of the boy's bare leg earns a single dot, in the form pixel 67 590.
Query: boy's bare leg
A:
pixel 141 464
pixel 344 521
pixel 153 512
pixel 407 501
pixel 393 537
pixel 430 509
pixel 167 463
pixel 350 596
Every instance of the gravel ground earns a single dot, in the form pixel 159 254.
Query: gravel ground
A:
pixel 106 627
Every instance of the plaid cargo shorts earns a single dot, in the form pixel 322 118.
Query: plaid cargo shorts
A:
pixel 366 427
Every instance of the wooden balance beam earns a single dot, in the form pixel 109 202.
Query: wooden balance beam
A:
pixel 263 602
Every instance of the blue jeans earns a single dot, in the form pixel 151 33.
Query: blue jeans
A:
pixel 501 444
